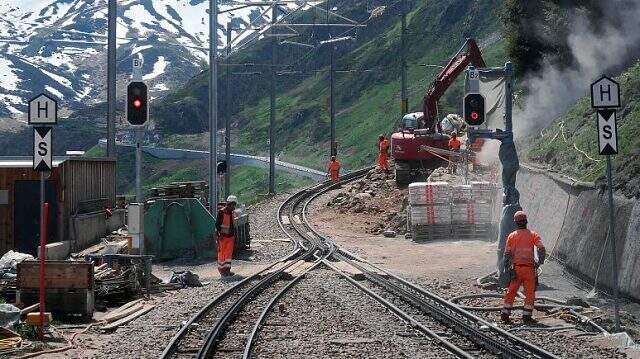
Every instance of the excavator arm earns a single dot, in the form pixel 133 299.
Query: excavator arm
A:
pixel 469 53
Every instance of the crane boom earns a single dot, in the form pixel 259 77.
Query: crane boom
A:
pixel 469 53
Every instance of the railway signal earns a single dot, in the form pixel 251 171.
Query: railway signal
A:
pixel 474 109
pixel 137 103
pixel 605 98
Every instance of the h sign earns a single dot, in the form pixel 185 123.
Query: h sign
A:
pixel 605 93
pixel 43 110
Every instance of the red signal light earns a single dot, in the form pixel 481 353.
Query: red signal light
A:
pixel 137 103
pixel 474 115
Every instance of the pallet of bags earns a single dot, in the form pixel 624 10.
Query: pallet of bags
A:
pixel 484 192
pixel 430 214
pixel 471 213
pixel 422 193
pixel 461 193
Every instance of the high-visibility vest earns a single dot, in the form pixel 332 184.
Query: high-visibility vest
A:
pixel 520 245
pixel 334 166
pixel 384 146
pixel 227 223
pixel 455 144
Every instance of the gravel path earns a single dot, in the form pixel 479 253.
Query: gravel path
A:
pixel 324 316
pixel 563 344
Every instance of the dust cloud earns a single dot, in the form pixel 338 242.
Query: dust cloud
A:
pixel 595 49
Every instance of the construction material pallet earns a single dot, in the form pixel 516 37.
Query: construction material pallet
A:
pixel 472 231
pixel 181 190
pixel 434 232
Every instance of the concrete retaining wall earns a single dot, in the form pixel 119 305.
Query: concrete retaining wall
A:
pixel 87 229
pixel 572 219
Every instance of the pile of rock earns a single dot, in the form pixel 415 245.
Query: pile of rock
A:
pixel 376 194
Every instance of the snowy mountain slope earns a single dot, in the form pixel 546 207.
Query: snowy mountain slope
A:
pixel 60 46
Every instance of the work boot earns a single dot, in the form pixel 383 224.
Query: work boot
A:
pixel 505 318
pixel 527 319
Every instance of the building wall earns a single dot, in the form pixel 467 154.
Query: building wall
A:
pixel 8 177
pixel 75 180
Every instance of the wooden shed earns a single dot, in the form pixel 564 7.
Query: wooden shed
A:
pixel 73 183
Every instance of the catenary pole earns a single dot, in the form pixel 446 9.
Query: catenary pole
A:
pixel 227 126
pixel 213 104
pixel 111 79
pixel 272 117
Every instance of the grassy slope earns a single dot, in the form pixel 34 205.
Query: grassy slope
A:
pixel 249 183
pixel 578 126
pixel 367 104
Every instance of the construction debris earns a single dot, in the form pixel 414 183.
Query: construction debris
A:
pixel 141 310
pixel 376 194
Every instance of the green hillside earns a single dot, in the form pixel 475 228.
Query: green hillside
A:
pixel 248 183
pixel 570 144
pixel 367 103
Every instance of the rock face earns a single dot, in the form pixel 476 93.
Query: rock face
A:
pixel 378 196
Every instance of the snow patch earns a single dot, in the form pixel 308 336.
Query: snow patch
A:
pixel 140 48
pixel 54 92
pixel 8 78
pixel 161 87
pixel 158 69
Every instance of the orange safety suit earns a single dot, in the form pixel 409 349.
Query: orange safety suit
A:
pixel 226 239
pixel 334 170
pixel 383 150
pixel 520 250
pixel 455 144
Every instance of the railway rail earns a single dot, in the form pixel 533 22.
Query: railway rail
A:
pixel 229 324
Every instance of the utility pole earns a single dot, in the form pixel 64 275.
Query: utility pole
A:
pixel 213 104
pixel 227 126
pixel 272 118
pixel 332 112
pixel 111 79
pixel 404 105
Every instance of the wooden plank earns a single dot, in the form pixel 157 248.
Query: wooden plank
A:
pixel 59 275
pixel 348 269
pixel 119 314
pixel 294 266
pixel 299 270
pixel 127 319
pixel 297 219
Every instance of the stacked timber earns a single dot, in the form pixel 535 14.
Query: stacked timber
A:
pixel 181 190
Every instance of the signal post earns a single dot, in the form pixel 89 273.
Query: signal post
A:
pixel 137 110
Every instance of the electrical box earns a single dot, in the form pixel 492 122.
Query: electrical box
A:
pixel 135 224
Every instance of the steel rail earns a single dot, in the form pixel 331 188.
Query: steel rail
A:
pixel 213 337
pixel 253 335
pixel 172 346
pixel 459 352
pixel 294 200
pixel 530 348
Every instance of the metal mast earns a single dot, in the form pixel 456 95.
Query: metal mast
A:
pixel 111 79
pixel 272 117
pixel 213 103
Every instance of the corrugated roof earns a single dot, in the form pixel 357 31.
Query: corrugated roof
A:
pixel 25 162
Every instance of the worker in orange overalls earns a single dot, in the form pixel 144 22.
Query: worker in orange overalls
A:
pixel 334 169
pixel 454 145
pixel 383 153
pixel 520 260
pixel 226 237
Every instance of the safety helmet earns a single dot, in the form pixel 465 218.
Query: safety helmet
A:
pixel 232 199
pixel 520 216
pixel 381 137
pixel 333 158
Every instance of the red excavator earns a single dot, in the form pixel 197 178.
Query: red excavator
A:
pixel 421 130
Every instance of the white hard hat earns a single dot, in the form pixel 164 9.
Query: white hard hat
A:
pixel 232 198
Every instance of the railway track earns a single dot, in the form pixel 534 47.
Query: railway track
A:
pixel 229 325
pixel 206 332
